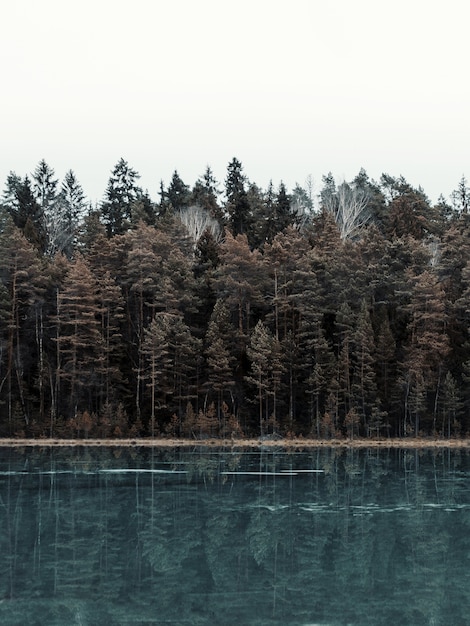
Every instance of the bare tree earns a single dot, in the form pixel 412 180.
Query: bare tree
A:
pixel 197 220
pixel 348 205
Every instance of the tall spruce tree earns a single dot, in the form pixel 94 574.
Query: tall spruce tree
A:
pixel 65 215
pixel 26 212
pixel 45 186
pixel 121 194
pixel 237 203
pixel 205 194
pixel 178 193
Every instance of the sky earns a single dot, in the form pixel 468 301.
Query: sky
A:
pixel 293 89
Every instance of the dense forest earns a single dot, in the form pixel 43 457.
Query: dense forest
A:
pixel 229 310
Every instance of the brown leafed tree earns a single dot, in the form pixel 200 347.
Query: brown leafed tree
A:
pixel 427 350
pixel 81 349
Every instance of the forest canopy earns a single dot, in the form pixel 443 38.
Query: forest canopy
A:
pixel 224 309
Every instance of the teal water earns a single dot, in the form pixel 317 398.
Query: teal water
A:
pixel 94 536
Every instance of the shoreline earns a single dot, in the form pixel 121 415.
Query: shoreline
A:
pixel 238 443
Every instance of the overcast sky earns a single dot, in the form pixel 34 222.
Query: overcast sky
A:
pixel 291 88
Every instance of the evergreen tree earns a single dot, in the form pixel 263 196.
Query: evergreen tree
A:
pixel 260 353
pixel 205 194
pixel 172 363
pixel 220 360
pixel 23 281
pixel 121 195
pixel 26 212
pixel 143 210
pixel 385 362
pixel 427 349
pixel 364 385
pixel 45 186
pixel 237 203
pixel 410 214
pixel 284 214
pixel 461 196
pixel 451 407
pixel 111 316
pixel 344 333
pixel 274 214
pixel 301 204
pixel 65 215
pixel 157 277
pixel 178 193
pixel 80 348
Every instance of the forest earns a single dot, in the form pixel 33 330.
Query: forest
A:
pixel 228 310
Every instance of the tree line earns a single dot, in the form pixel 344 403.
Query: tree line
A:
pixel 234 311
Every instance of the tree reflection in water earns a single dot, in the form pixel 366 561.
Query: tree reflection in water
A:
pixel 154 536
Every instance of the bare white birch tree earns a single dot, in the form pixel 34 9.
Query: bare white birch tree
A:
pixel 349 208
pixel 197 220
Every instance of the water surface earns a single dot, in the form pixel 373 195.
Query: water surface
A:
pixel 95 536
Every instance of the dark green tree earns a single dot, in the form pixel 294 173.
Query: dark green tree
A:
pixel 23 278
pixel 205 194
pixel 45 186
pixel 65 216
pixel 178 193
pixel 461 196
pixel 26 212
pixel 237 204
pixel 364 384
pixel 121 195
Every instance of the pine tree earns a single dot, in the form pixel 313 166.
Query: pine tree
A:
pixel 111 316
pixel 284 214
pixel 427 349
pixel 364 385
pixel 170 353
pixel 205 194
pixel 290 301
pixel 461 196
pixel 155 349
pixel 65 215
pixel 80 350
pixel 410 214
pixel 178 193
pixel 260 351
pixel 26 212
pixel 237 204
pixel 238 281
pixel 451 406
pixel 344 332
pixel 45 186
pixel 22 279
pixel 121 195
pixel 220 361
pixel 157 277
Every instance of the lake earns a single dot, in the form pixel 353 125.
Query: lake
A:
pixel 108 536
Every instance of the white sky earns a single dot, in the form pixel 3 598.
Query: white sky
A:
pixel 292 89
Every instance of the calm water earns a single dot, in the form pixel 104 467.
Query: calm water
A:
pixel 140 536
